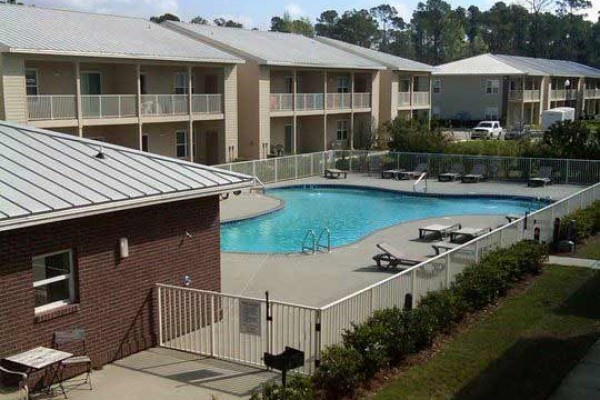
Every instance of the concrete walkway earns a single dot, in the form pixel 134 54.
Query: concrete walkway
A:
pixel 583 382
pixel 574 262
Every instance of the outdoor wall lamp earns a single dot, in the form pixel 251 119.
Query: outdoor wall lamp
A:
pixel 124 247
pixel 187 280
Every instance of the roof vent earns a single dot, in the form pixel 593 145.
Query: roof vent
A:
pixel 100 154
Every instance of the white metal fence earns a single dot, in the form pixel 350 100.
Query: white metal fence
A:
pixel 361 100
pixel 52 107
pixel 207 103
pixel 282 101
pixel 339 101
pixel 108 106
pixel 164 104
pixel 309 101
pixel 420 98
pixel 403 98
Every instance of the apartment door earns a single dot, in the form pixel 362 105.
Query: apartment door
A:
pixel 91 83
pixel 212 147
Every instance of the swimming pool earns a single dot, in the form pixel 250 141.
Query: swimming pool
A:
pixel 351 213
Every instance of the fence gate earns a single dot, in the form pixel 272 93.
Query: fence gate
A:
pixel 234 328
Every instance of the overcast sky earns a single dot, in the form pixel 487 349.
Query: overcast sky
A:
pixel 252 13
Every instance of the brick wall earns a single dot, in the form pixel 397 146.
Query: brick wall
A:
pixel 115 297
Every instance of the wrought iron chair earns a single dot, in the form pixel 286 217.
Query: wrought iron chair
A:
pixel 73 341
pixel 13 385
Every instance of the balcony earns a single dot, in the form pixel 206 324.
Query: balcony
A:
pixel 282 101
pixel 403 99
pixel 562 94
pixel 108 106
pixel 361 100
pixel 420 99
pixel 339 101
pixel 160 105
pixel 207 104
pixel 592 93
pixel 524 95
pixel 309 101
pixel 52 107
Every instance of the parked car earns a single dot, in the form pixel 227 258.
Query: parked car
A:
pixel 487 130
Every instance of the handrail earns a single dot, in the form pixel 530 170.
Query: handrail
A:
pixel 327 234
pixel 261 186
pixel 423 176
pixel 309 235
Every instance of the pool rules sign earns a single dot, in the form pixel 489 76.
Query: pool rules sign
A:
pixel 250 317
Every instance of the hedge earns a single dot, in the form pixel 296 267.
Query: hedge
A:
pixel 390 335
pixel 587 222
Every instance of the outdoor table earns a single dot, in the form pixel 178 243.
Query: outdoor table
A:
pixel 39 359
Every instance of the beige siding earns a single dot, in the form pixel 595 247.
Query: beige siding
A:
pixel 248 109
pixel 465 95
pixel 2 116
pixel 161 137
pixel 54 77
pixel 279 79
pixel 310 134
pixel 332 128
pixel 386 112
pixel 262 146
pixel 13 86
pixel 310 82
pixel 278 132
pixel 231 143
pixel 209 145
pixel 123 135
pixel 375 87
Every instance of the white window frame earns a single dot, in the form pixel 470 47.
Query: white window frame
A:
pixel 492 86
pixel 70 277
pixel 185 144
pixel 343 84
pixel 436 86
pixel 184 89
pixel 341 132
pixel 492 114
pixel 37 81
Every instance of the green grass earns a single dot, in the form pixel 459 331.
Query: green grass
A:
pixel 590 249
pixel 507 148
pixel 522 350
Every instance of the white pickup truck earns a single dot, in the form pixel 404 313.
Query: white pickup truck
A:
pixel 487 130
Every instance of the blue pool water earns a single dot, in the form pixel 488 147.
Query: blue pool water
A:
pixel 350 214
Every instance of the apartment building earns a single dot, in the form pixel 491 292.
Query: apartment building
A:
pixel 117 79
pixel 296 94
pixel 405 85
pixel 513 89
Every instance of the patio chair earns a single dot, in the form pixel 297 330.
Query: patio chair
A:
pixel 74 341
pixel 394 257
pixel 417 172
pixel 467 234
pixel 391 173
pixel 334 173
pixel 437 231
pixel 544 178
pixel 13 385
pixel 454 173
pixel 477 174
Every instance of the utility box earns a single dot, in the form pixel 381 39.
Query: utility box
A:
pixel 554 115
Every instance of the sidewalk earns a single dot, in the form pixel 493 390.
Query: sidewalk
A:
pixel 574 262
pixel 583 382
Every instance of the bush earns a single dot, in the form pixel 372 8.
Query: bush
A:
pixel 445 308
pixel 299 387
pixel 369 340
pixel 587 222
pixel 481 284
pixel 339 374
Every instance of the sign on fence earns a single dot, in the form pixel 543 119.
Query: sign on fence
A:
pixel 250 317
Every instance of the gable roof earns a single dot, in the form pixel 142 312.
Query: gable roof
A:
pixel 499 64
pixel 274 48
pixel 389 60
pixel 48 176
pixel 33 30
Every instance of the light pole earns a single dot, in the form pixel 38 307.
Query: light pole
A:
pixel 567 91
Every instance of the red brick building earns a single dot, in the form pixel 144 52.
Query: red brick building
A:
pixel 86 231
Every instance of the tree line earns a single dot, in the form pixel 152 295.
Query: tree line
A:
pixel 438 33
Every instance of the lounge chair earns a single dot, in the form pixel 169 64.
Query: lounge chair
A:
pixel 394 257
pixel 417 172
pixel 464 235
pixel 13 385
pixel 443 247
pixel 544 178
pixel 374 165
pixel 512 217
pixel 391 173
pixel 455 173
pixel 477 174
pixel 437 231
pixel 334 173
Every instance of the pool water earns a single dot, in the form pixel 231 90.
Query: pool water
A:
pixel 350 214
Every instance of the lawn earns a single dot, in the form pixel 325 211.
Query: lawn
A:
pixel 521 350
pixel 590 249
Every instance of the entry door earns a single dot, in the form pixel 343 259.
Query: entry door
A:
pixel 91 83
pixel 212 147
pixel 289 139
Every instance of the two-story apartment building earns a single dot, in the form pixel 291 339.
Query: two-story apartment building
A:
pixel 513 89
pixel 123 80
pixel 405 85
pixel 296 94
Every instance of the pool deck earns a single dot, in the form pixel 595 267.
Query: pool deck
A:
pixel 324 277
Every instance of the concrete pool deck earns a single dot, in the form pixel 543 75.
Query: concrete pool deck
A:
pixel 324 277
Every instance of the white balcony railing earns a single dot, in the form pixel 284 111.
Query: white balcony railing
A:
pixel 309 101
pixel 558 94
pixel 524 95
pixel 339 101
pixel 361 100
pixel 420 98
pixel 109 106
pixel 164 104
pixel 282 101
pixel 592 93
pixel 403 99
pixel 52 107
pixel 207 103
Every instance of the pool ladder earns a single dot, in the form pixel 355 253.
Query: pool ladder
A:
pixel 312 243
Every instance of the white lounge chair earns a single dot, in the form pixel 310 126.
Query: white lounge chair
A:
pixel 394 257
pixel 417 172
pixel 464 235
pixel 391 173
pixel 437 231
pixel 544 178
pixel 455 173
pixel 334 173
pixel 477 174
pixel 443 247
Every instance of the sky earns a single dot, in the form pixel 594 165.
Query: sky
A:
pixel 251 13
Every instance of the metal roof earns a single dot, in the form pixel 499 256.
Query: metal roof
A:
pixel 47 176
pixel 25 29
pixel 498 64
pixel 275 48
pixel 389 60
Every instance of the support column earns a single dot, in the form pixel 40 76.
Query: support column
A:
pixel 325 110
pixel 294 117
pixel 522 119
pixel 352 110
pixel 191 121
pixel 411 90
pixel 78 98
pixel 138 96
pixel 429 109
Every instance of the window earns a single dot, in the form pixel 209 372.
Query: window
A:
pixel 31 82
pixel 53 282
pixel 145 142
pixel 437 86
pixel 91 83
pixel 342 130
pixel 491 113
pixel 182 144
pixel 343 84
pixel 181 83
pixel 492 86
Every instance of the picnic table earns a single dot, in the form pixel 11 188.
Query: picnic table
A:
pixel 39 359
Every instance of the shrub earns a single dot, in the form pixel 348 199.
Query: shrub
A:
pixel 339 374
pixel 299 387
pixel 369 340
pixel 445 308
pixel 587 222
pixel 480 284
pixel 531 255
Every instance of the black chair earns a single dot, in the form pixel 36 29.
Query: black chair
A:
pixel 74 342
